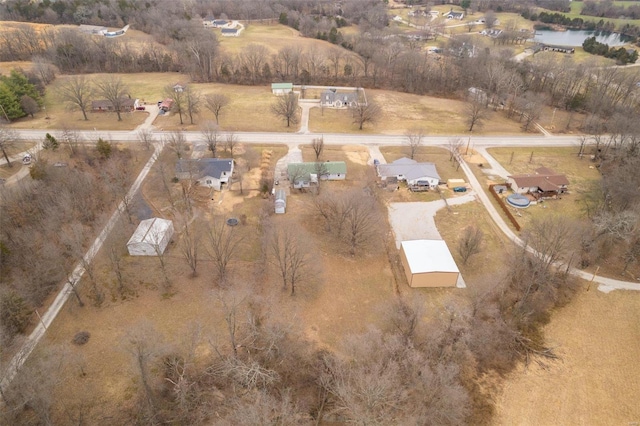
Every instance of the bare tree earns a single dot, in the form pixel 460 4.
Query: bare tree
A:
pixel 146 138
pixel 318 145
pixel 190 245
pixel 115 258
pixel 365 113
pixel 454 145
pixel 414 140
pixel 71 137
pixel 8 139
pixel 115 91
pixel 290 255
pixel 193 101
pixel 231 143
pixel 211 137
pixel 177 142
pixel 222 247
pixel 470 243
pixel 179 101
pixel 552 238
pixel 78 91
pixel 286 107
pixel 476 113
pixel 215 103
pixel 145 345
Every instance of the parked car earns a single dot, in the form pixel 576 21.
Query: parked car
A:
pixel 141 108
pixel 460 189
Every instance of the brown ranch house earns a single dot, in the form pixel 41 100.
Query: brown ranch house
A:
pixel 126 105
pixel 545 183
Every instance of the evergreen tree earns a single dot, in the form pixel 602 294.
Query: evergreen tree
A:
pixel 10 103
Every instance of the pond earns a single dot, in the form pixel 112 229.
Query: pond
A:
pixel 575 38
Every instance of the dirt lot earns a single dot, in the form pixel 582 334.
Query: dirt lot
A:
pixel 597 379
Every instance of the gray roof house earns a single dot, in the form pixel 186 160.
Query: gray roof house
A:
pixel 415 174
pixel 209 172
pixel 332 98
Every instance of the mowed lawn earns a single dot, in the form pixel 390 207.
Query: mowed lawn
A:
pixel 403 111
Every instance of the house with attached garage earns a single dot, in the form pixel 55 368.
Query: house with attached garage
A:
pixel 126 105
pixel 209 172
pixel 333 99
pixel 302 175
pixel 417 175
pixel 545 183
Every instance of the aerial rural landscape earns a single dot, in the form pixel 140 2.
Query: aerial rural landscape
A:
pixel 319 212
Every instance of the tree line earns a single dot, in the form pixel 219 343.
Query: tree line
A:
pixel 621 55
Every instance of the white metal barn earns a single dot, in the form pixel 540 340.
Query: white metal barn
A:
pixel 281 201
pixel 151 237
pixel 428 263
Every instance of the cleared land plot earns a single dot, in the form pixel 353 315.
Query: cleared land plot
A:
pixel 402 111
pixel 597 379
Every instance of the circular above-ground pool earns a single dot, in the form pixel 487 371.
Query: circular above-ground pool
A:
pixel 518 200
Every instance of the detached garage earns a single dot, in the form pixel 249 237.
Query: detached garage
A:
pixel 428 263
pixel 151 237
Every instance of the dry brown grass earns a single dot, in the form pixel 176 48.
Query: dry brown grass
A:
pixel 402 111
pixel 597 379
pixel 249 110
pixel 272 36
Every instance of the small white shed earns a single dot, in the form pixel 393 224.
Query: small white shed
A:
pixel 281 201
pixel 151 237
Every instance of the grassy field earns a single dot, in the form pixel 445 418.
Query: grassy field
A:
pixel 576 8
pixel 249 110
pixel 402 111
pixel 596 381
pixel 274 37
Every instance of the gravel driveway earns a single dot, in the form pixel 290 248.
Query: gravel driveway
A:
pixel 415 221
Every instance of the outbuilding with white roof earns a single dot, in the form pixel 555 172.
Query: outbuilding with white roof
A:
pixel 428 263
pixel 151 237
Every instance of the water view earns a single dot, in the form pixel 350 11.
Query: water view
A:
pixel 576 37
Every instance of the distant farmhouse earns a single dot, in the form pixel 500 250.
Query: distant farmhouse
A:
pixel 419 176
pixel 208 172
pixel 545 183
pixel 302 175
pixel 126 105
